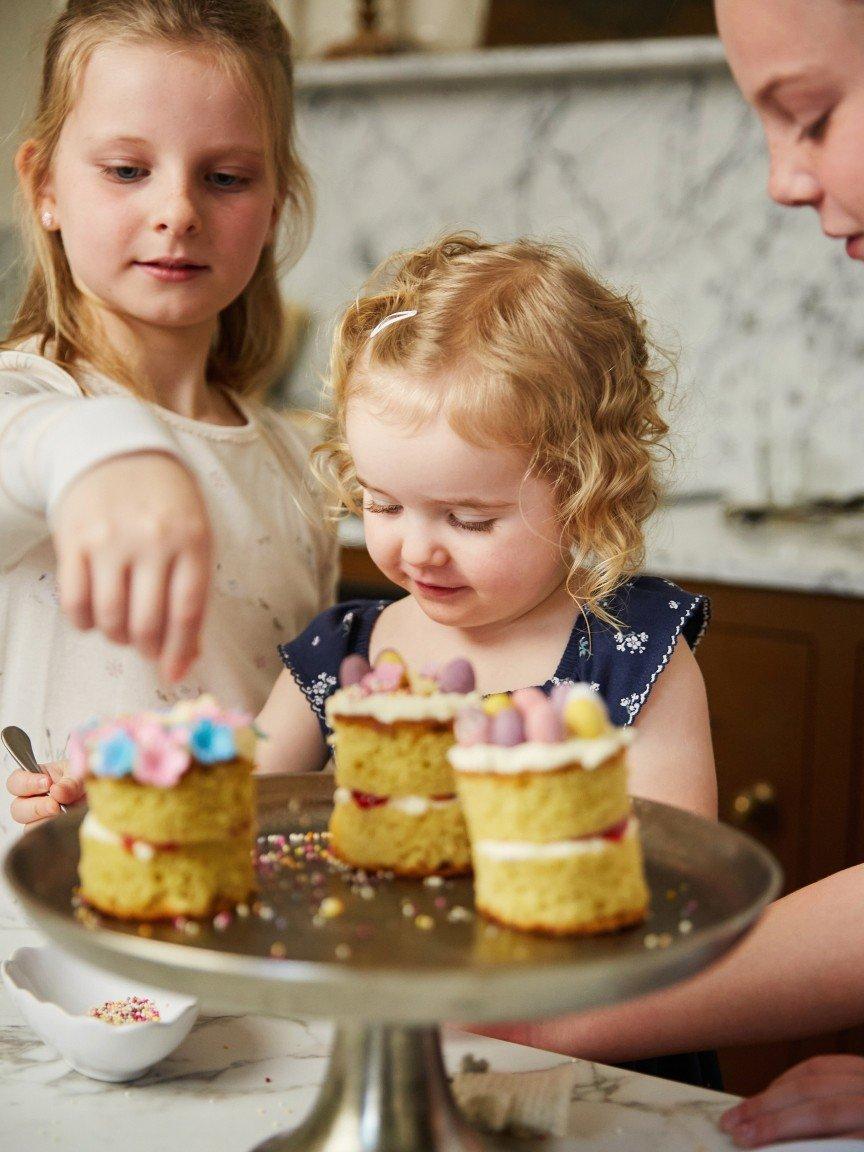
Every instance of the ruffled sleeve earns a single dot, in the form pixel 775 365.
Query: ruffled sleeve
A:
pixel 624 661
pixel 313 658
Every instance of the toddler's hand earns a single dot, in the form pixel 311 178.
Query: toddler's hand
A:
pixel 823 1096
pixel 38 798
pixel 133 542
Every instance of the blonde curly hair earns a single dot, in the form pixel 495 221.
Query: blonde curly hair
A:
pixel 519 345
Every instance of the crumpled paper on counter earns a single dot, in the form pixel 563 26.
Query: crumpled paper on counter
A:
pixel 525 1103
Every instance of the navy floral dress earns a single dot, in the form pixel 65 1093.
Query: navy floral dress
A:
pixel 622 662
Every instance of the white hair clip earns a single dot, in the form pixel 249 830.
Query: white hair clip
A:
pixel 388 320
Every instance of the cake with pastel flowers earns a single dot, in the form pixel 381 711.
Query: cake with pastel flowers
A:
pixel 170 827
pixel 395 805
pixel 543 785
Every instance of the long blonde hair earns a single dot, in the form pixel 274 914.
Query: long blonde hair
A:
pixel 248 38
pixel 518 344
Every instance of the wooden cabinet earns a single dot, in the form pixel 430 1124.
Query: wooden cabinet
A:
pixel 785 678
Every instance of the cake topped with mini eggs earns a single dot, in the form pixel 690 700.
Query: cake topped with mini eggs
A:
pixel 395 806
pixel 390 690
pixel 543 786
pixel 529 731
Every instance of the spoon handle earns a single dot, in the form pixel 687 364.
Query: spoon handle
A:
pixel 17 743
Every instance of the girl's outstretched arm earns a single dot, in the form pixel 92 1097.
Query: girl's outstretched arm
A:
pixel 672 759
pixel 293 736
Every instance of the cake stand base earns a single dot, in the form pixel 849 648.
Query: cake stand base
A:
pixel 386 1090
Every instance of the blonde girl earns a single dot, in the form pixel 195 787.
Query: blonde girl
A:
pixel 137 470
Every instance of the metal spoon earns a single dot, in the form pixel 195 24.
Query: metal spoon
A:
pixel 18 744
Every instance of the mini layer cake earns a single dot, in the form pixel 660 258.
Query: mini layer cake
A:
pixel 170 827
pixel 543 784
pixel 395 807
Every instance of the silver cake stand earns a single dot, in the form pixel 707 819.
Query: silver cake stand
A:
pixel 401 956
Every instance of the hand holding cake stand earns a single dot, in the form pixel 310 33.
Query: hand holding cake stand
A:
pixel 388 960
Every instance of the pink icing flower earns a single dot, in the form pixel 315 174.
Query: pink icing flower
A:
pixel 162 759
pixel 76 750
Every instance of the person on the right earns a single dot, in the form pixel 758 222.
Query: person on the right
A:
pixel 800 63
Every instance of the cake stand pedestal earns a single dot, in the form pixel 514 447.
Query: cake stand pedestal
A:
pixel 401 956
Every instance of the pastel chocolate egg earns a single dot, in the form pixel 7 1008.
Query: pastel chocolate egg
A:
pixel 585 716
pixel 352 670
pixel 456 676
pixel 389 656
pixel 390 676
pixel 472 726
pixel 527 698
pixel 496 703
pixel 508 728
pixel 543 723
pixel 560 693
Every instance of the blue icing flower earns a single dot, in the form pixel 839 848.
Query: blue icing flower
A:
pixel 116 755
pixel 212 743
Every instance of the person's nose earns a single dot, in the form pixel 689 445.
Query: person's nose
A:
pixel 792 181
pixel 177 211
pixel 421 548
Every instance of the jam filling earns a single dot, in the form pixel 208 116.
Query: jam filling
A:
pixel 370 800
pixel 616 831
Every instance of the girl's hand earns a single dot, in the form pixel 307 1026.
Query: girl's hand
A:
pixel 133 543
pixel 823 1096
pixel 38 798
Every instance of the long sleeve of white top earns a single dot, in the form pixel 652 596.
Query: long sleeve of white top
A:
pixel 47 440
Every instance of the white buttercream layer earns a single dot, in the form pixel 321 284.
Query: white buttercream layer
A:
pixel 389 707
pixel 409 805
pixel 92 829
pixel 535 757
pixel 555 849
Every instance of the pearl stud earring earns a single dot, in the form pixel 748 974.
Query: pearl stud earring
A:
pixel 47 219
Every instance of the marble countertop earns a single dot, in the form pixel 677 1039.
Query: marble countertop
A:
pixel 676 55
pixel 236 1080
pixel 693 540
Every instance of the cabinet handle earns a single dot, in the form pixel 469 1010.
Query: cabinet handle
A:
pixel 756 807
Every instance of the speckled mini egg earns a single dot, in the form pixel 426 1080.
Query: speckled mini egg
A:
pixel 544 724
pixel 585 716
pixel 508 728
pixel 497 702
pixel 352 670
pixel 527 698
pixel 472 726
pixel 456 676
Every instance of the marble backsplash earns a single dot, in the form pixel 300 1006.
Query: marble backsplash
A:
pixel 657 173
pixel 646 158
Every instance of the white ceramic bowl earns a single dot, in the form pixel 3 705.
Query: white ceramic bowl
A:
pixel 55 992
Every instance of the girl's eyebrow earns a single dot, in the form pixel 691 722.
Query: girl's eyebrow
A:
pixel 470 502
pixel 228 149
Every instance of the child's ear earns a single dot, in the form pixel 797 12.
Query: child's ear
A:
pixel 42 198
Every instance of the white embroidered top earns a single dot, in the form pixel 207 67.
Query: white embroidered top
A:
pixel 275 558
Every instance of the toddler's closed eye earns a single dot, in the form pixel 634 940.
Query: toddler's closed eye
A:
pixel 471 525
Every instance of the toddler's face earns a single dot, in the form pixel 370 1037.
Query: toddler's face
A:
pixel 800 63
pixel 160 186
pixel 459 527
